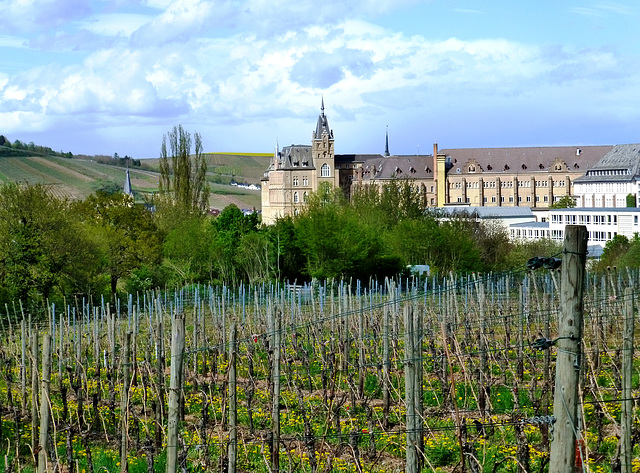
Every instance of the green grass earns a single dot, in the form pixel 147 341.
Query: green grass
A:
pixel 242 167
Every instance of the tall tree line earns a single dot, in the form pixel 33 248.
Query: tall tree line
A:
pixel 54 248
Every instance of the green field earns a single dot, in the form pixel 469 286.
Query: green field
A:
pixel 77 178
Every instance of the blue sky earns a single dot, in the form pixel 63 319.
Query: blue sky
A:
pixel 100 77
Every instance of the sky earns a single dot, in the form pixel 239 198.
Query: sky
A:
pixel 105 77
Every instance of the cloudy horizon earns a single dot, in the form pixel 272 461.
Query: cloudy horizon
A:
pixel 95 77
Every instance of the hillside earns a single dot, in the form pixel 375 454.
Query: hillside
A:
pixel 76 178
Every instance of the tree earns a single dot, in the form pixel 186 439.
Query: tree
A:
pixel 125 231
pixel 183 187
pixel 388 203
pixel 187 251
pixel 631 200
pixel 615 251
pixel 337 243
pixel 42 248
pixel 230 228
pixel 564 202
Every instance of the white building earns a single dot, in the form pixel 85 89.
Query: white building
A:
pixel 608 183
pixel 503 215
pixel 602 223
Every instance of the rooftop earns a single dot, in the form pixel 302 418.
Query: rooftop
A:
pixel 527 159
pixel 621 163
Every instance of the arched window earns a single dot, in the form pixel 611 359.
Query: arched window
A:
pixel 295 197
pixel 305 196
pixel 324 170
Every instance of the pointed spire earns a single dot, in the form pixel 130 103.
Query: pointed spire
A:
pixel 323 124
pixel 386 147
pixel 276 159
pixel 127 182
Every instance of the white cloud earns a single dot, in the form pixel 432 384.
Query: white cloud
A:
pixel 184 66
pixel 33 15
pixel 115 24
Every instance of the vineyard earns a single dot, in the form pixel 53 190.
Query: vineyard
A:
pixel 338 376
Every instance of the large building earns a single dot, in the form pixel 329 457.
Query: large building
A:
pixel 510 177
pixel 609 181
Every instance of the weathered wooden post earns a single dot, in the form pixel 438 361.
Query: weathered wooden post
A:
pixel 409 391
pixel 417 388
pixel 175 386
pixel 275 407
pixel 23 367
pixel 626 417
pixel 386 368
pixel 569 346
pixel 35 355
pixel 44 403
pixel 233 405
pixel 124 404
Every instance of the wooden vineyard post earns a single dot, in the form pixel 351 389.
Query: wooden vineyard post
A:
pixel 275 408
pixel 177 356
pixel 626 416
pixel 34 389
pixel 409 391
pixel 361 368
pixel 124 404
pixel 386 368
pixel 233 406
pixel 417 388
pixel 44 403
pixel 23 367
pixel 160 366
pixel 569 346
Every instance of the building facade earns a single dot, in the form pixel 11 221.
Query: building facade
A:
pixel 495 177
pixel 608 182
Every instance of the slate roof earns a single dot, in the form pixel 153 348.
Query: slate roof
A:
pixel 620 164
pixel 597 210
pixel 526 159
pixel 490 212
pixel 322 126
pixel 390 167
pixel 533 225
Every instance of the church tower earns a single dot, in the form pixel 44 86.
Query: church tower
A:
pixel 323 153
pixel 127 190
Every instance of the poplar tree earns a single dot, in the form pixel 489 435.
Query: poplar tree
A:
pixel 183 186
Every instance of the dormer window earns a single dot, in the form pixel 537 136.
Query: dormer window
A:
pixel 506 167
pixel 524 167
pixel 489 167
pixel 472 168
pixel 427 169
pixel 541 166
pixel 412 170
